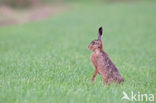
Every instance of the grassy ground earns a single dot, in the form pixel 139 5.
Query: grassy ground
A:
pixel 49 62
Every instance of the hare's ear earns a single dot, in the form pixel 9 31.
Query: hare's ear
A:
pixel 100 33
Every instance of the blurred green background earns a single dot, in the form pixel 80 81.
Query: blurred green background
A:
pixel 44 56
pixel 24 3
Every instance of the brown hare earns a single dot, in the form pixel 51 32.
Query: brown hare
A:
pixel 102 63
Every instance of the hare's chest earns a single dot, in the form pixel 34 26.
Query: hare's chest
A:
pixel 98 59
pixel 94 58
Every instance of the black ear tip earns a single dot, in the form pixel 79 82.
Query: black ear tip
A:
pixel 100 30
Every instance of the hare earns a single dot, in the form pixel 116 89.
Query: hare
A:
pixel 102 63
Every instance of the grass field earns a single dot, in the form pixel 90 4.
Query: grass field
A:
pixel 49 61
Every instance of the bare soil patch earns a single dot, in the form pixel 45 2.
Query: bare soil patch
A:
pixel 10 16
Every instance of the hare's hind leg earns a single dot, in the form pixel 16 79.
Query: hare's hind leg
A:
pixel 95 73
pixel 105 80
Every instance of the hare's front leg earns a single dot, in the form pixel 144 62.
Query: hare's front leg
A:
pixel 95 73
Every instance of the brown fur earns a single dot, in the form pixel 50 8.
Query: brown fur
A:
pixel 102 63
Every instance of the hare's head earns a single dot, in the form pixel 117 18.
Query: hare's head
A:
pixel 96 44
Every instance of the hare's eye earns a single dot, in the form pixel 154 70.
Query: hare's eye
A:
pixel 92 42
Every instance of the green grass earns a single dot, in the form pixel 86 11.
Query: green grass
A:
pixel 49 62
